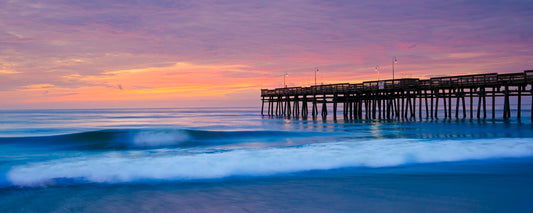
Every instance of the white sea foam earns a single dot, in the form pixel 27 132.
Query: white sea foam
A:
pixel 119 167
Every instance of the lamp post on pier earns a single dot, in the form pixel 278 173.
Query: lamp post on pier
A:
pixel 377 70
pixel 394 61
pixel 284 76
pixel 316 70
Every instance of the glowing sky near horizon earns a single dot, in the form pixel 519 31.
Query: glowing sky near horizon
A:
pixel 122 53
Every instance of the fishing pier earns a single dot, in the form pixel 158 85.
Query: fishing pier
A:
pixel 406 98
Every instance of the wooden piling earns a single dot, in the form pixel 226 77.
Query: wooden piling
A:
pixel 420 104
pixel 506 107
pixel 436 103
pixel 450 103
pixel 324 107
pixel 335 98
pixel 463 99
pixel 471 103
pixel 480 94
pixel 484 103
pixel 519 104
pixel 426 99
pixel 456 103
pixel 493 102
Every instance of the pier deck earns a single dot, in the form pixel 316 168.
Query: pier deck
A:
pixel 397 99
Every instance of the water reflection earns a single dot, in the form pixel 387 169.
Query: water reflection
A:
pixel 425 129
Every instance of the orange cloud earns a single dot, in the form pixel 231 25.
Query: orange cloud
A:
pixel 181 80
pixel 9 72
pixel 36 87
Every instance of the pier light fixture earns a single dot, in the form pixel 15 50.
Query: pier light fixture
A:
pixel 394 61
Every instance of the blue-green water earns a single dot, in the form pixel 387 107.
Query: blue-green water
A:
pixel 234 160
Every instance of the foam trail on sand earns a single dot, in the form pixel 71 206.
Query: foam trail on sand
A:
pixel 121 167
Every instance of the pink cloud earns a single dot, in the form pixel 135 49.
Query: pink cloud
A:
pixel 44 41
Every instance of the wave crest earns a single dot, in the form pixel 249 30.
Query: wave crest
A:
pixel 121 167
pixel 155 138
pixel 147 138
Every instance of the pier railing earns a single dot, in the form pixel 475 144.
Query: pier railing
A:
pixel 477 80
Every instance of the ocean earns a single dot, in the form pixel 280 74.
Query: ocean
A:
pixel 235 160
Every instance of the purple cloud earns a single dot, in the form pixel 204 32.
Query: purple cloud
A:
pixel 44 40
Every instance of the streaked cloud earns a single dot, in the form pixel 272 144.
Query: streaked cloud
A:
pixel 159 50
pixel 8 72
pixel 37 87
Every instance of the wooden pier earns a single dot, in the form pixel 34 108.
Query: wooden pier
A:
pixel 408 98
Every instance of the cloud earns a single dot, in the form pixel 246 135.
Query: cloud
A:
pixel 9 72
pixel 161 46
pixel 38 87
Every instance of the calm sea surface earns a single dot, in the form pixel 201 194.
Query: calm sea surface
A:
pixel 234 160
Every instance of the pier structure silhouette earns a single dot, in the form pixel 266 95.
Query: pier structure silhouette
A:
pixel 397 99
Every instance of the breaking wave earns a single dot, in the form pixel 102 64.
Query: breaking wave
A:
pixel 147 138
pixel 142 165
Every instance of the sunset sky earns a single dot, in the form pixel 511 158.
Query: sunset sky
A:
pixel 162 53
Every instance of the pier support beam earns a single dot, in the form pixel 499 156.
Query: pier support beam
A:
pixel 262 105
pixel 288 105
pixel 426 100
pixel 315 108
pixel 464 104
pixel 456 103
pixel 471 103
pixel 519 104
pixel 444 103
pixel 305 109
pixel 481 94
pixel 493 102
pixel 506 110
pixel 335 99
pixel 484 104
pixel 324 107
pixel 436 103
pixel 449 103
